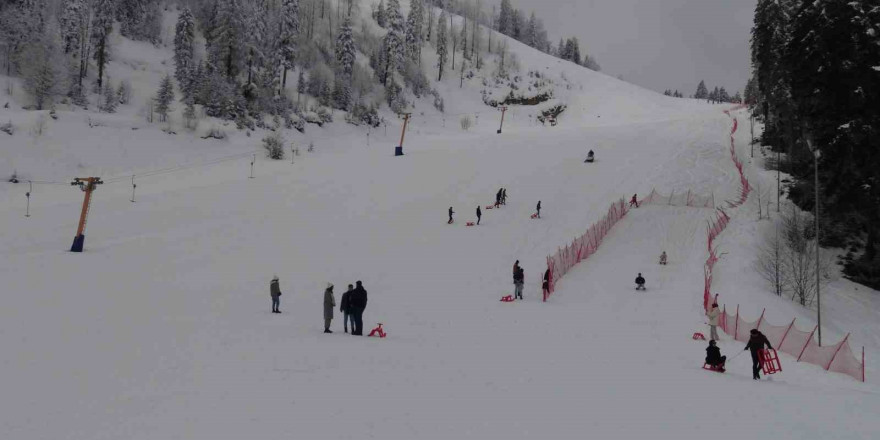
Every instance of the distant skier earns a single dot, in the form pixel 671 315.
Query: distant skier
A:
pixel 663 258
pixel 713 356
pixel 640 282
pixel 589 157
pixel 275 293
pixel 757 341
pixel 545 285
pixel 329 304
pixel 539 209
pixel 357 304
pixel 712 314
pixel 518 280
pixel 634 201
pixel 450 215
pixel 345 308
pixel 479 215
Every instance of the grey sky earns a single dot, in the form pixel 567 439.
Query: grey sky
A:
pixel 658 44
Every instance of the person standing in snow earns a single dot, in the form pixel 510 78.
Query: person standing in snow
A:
pixel 713 356
pixel 503 196
pixel 663 258
pixel 518 280
pixel 357 304
pixel 640 282
pixel 712 314
pixel 479 215
pixel 539 209
pixel 345 308
pixel 757 341
pixel 498 197
pixel 545 286
pixel 329 304
pixel 634 201
pixel 275 293
pixel 450 215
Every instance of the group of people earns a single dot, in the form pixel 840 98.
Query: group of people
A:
pixel 352 305
pixel 757 342
pixel 501 197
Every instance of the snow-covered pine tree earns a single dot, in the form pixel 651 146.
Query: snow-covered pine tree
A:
pixel 531 35
pixel 414 23
pixel 300 85
pixel 441 44
pixel 226 42
pixel 102 25
pixel 702 91
pixel 164 97
pixel 287 39
pixel 109 100
pixel 393 41
pixel 69 24
pixel 345 50
pixel 380 14
pixel 463 39
pixel 505 18
pixel 184 35
pixel 342 93
pixel 41 75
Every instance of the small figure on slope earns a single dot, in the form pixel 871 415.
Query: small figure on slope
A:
pixel 450 216
pixel 329 304
pixel 545 286
pixel 357 304
pixel 345 308
pixel 479 215
pixel 518 280
pixel 498 197
pixel 539 209
pixel 714 358
pixel 757 341
pixel 503 196
pixel 275 293
pixel 663 258
pixel 634 201
pixel 589 157
pixel 712 314
pixel 640 282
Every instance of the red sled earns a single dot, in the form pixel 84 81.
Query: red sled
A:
pixel 490 207
pixel 534 215
pixel 470 224
pixel 378 331
pixel 715 368
pixel 507 299
pixel 769 361
pixel 699 337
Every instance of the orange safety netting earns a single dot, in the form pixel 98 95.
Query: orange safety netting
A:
pixel 682 198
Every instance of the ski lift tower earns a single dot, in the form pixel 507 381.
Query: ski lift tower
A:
pixel 87 185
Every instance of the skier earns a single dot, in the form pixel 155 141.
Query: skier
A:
pixel 479 214
pixel 518 280
pixel 713 356
pixel 712 314
pixel 634 201
pixel 503 196
pixel 545 286
pixel 345 308
pixel 589 157
pixel 539 209
pixel 357 304
pixel 640 282
pixel 757 341
pixel 663 258
pixel 450 215
pixel 329 304
pixel 275 293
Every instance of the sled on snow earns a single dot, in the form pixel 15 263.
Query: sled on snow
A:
pixel 715 368
pixel 769 360
pixel 507 299
pixel 470 224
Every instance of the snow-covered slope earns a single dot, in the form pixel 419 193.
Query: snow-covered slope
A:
pixel 162 329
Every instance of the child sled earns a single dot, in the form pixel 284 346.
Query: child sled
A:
pixel 507 299
pixel 378 332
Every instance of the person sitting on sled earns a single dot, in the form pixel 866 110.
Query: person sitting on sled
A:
pixel 663 258
pixel 589 156
pixel 713 356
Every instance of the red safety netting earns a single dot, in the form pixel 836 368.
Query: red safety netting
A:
pixel 681 198
pixel 582 247
pixel 786 338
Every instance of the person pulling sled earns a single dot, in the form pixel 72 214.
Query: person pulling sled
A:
pixel 757 341
pixel 640 282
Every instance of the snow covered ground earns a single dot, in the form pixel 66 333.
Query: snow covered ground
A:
pixel 162 328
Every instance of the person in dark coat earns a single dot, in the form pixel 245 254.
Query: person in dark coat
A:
pixel 329 305
pixel 357 303
pixel 498 197
pixel 479 214
pixel 634 201
pixel 640 282
pixel 589 156
pixel 503 196
pixel 545 286
pixel 757 342
pixel 713 356
pixel 450 215
pixel 345 308
pixel 539 209
pixel 518 280
pixel 275 293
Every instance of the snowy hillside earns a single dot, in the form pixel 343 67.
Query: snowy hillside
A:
pixel 162 327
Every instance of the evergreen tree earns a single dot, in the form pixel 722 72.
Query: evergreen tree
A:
pixel 380 14
pixel 226 42
pixel 702 91
pixel 41 75
pixel 102 25
pixel 463 40
pixel 184 35
pixel 69 22
pixel 505 18
pixel 300 85
pixel 531 35
pixel 441 44
pixel 393 42
pixel 345 51
pixel 414 32
pixel 109 100
pixel 164 97
pixel 139 19
pixel 290 24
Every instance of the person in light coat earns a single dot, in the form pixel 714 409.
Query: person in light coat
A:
pixel 329 305
pixel 713 314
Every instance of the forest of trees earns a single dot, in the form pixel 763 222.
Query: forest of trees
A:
pixel 816 80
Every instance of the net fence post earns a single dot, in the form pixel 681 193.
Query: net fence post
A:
pixel 786 333
pixel 837 351
pixel 807 344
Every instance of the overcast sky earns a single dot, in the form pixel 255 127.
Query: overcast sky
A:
pixel 658 44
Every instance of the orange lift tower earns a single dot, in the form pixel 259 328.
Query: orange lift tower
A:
pixel 88 185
